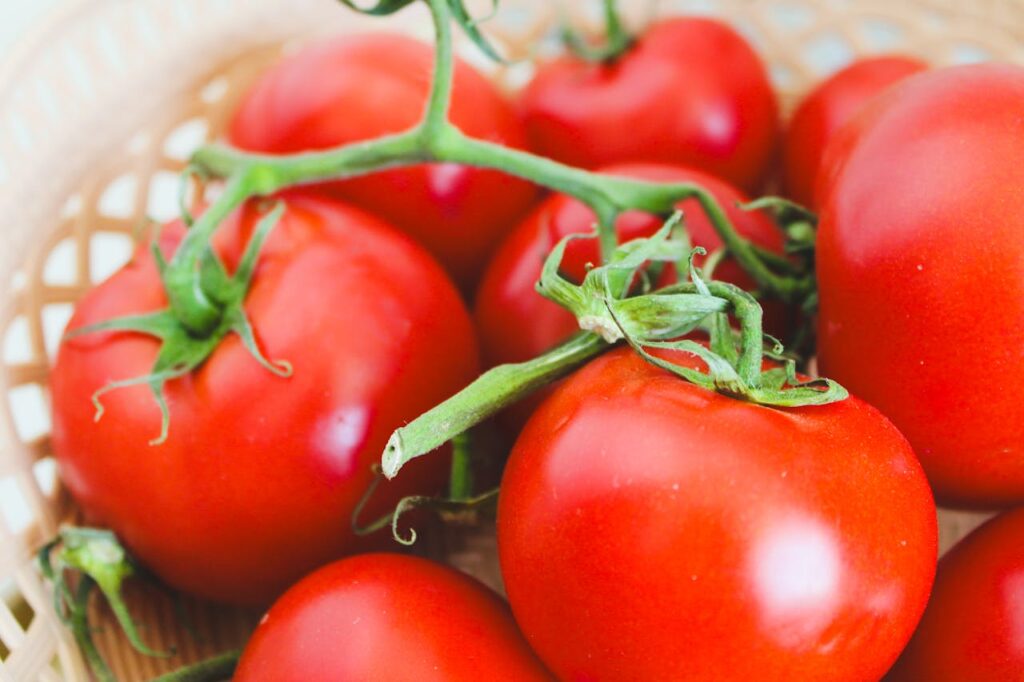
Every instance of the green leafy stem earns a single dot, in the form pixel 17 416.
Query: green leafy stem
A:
pixel 205 304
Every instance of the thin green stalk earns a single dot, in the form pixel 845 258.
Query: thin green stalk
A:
pixel 216 669
pixel 488 395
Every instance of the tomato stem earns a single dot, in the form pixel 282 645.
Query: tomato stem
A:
pixel 490 393
pixel 215 669
pixel 617 39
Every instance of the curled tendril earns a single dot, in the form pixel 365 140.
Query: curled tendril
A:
pixel 442 505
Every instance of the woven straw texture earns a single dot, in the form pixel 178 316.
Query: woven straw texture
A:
pixel 100 108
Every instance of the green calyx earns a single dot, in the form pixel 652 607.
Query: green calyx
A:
pixel 98 560
pixel 608 311
pixel 617 40
pixel 656 320
pixel 78 561
pixel 182 350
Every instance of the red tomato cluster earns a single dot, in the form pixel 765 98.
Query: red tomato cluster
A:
pixel 648 529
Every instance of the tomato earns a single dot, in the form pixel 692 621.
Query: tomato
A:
pixel 649 529
pixel 388 618
pixel 920 266
pixel 360 87
pixel 830 105
pixel 255 484
pixel 689 91
pixel 516 323
pixel 971 629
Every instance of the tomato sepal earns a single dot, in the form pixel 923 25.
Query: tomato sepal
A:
pixel 182 351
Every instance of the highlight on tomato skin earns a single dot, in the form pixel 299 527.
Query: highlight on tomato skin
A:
pixel 920 268
pixel 971 629
pixel 651 529
pixel 825 110
pixel 359 87
pixel 258 477
pixel 388 618
pixel 689 91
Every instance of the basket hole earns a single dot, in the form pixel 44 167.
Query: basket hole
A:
pixel 827 52
pixel 16 617
pixel 705 7
pixel 883 35
pixel 61 266
pixel 13 506
pixel 792 18
pixel 118 199
pixel 967 53
pixel 783 77
pixel 214 90
pixel 108 252
pixel 45 471
pixel 29 412
pixel 162 202
pixel 55 320
pixel 17 342
pixel 186 138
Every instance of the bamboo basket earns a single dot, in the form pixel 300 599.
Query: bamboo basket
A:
pixel 99 109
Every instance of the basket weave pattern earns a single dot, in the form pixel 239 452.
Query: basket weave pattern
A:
pixel 97 116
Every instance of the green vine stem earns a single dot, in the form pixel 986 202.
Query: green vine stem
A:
pixel 616 38
pixel 603 307
pixel 205 304
pixel 216 669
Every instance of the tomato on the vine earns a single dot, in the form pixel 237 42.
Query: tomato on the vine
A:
pixel 649 529
pixel 361 87
pixel 257 480
pixel 920 265
pixel 830 105
pixel 689 91
pixel 516 323
pixel 388 618
pixel 971 629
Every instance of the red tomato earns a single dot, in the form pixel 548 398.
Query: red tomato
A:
pixel 257 480
pixel 827 108
pixel 972 627
pixel 689 91
pixel 649 529
pixel 360 87
pixel 516 323
pixel 920 265
pixel 388 618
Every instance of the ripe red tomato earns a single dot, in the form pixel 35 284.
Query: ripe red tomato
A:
pixel 689 91
pixel 257 480
pixel 827 108
pixel 920 265
pixel 388 618
pixel 649 529
pixel 972 627
pixel 516 323
pixel 360 87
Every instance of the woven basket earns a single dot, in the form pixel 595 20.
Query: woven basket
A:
pixel 100 108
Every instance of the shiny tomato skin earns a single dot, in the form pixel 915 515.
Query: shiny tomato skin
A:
pixel 971 628
pixel 257 480
pixel 920 267
pixel 652 530
pixel 690 91
pixel 360 87
pixel 824 111
pixel 388 618
pixel 515 323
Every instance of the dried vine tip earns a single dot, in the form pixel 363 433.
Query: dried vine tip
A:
pixel 393 458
